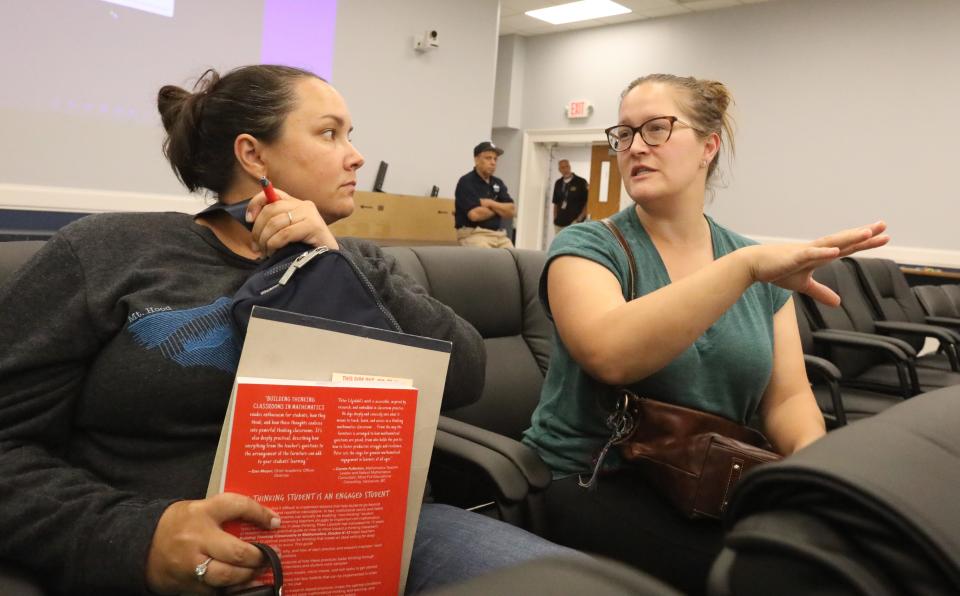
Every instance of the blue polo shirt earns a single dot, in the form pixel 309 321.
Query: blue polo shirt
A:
pixel 470 189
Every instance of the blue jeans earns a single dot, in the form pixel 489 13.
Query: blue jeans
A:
pixel 454 545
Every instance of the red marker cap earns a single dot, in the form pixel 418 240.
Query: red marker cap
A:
pixel 268 190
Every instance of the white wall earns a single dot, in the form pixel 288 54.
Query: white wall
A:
pixel 508 109
pixel 420 112
pixel 847 111
pixel 508 97
pixel 59 130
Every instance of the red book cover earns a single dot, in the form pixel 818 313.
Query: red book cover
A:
pixel 333 460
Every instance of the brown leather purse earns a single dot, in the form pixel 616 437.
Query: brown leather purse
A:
pixel 692 458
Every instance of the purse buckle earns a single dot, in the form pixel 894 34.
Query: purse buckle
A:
pixel 622 421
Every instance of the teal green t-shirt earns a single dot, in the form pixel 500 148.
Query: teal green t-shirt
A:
pixel 724 372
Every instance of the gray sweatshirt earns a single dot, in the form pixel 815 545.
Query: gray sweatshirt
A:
pixel 117 356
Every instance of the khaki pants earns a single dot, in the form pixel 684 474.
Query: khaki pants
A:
pixel 483 238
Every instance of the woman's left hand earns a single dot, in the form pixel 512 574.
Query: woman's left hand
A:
pixel 791 266
pixel 288 220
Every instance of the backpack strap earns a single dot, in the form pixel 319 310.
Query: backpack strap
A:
pixel 272 561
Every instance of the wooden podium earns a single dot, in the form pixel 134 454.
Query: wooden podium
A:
pixel 392 220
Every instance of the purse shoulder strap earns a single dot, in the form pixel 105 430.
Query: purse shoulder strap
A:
pixel 620 420
pixel 632 273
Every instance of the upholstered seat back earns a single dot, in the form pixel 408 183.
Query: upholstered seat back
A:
pixel 496 291
pixel 936 301
pixel 890 294
pixel 803 324
pixel 14 254
pixel 853 314
pixel 953 291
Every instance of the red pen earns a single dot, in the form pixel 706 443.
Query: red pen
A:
pixel 268 190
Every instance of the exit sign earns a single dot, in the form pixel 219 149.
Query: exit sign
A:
pixel 579 109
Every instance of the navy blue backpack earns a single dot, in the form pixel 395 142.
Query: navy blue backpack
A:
pixel 312 281
pixel 307 280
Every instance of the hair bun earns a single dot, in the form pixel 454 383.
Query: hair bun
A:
pixel 717 92
pixel 170 103
pixel 202 126
pixel 174 103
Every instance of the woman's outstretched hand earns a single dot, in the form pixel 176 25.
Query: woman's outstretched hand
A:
pixel 189 533
pixel 791 266
pixel 276 225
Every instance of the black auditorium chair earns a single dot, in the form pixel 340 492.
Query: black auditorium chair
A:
pixel 868 510
pixel 839 405
pixel 899 313
pixel 953 291
pixel 13 581
pixel 881 362
pixel 14 254
pixel 478 461
pixel 938 305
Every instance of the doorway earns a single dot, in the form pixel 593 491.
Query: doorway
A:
pixel 579 157
pixel 538 172
pixel 605 182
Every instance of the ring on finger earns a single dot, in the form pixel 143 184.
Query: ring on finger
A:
pixel 290 217
pixel 201 570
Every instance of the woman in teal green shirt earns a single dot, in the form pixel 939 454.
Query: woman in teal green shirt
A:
pixel 713 328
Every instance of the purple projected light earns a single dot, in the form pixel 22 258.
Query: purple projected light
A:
pixel 299 33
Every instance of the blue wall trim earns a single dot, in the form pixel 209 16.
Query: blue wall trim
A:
pixel 16 224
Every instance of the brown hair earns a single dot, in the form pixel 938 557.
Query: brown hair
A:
pixel 202 126
pixel 704 102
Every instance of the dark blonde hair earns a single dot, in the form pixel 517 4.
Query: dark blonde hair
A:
pixel 704 102
pixel 202 125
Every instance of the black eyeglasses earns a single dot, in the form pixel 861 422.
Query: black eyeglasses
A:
pixel 655 131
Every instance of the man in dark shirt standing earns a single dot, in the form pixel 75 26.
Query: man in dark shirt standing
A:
pixel 482 201
pixel 569 198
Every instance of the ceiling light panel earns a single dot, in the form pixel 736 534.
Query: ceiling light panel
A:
pixel 572 12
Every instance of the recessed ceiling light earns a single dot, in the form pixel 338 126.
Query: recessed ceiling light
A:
pixel 584 10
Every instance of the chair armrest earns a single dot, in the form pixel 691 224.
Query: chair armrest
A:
pixel 822 367
pixel 500 472
pixel 896 348
pixel 537 474
pixel 945 336
pixel 830 374
pixel 900 352
pixel 950 322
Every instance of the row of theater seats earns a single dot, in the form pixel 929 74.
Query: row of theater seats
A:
pixel 842 517
pixel 866 355
pixel 868 510
pixel 862 358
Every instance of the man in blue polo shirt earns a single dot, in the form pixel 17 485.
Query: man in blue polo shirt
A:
pixel 482 201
